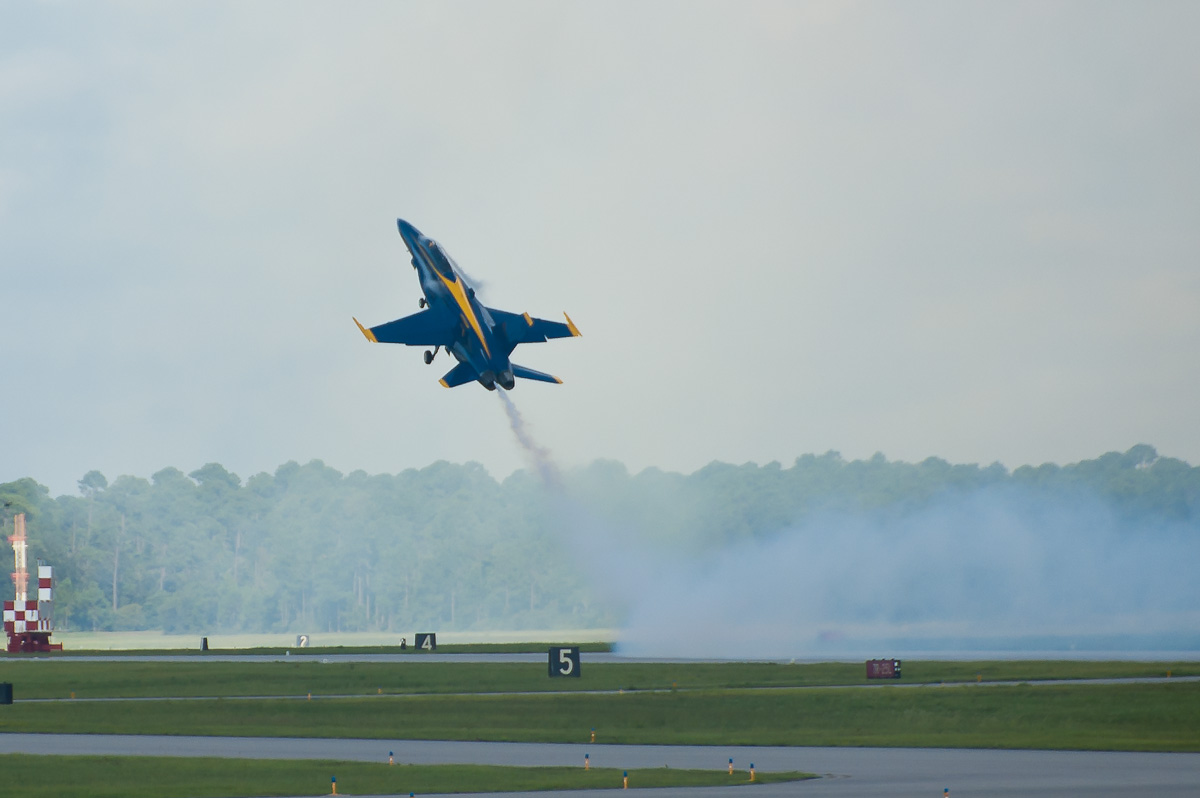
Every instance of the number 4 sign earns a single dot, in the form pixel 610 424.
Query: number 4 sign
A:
pixel 564 661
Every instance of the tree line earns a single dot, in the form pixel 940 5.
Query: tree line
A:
pixel 308 548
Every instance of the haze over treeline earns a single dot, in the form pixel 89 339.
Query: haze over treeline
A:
pixel 448 547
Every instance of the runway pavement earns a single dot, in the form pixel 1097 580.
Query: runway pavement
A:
pixel 891 772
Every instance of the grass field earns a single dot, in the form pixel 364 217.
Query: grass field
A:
pixel 140 642
pixel 649 703
pixel 1136 717
pixel 59 678
pixel 316 651
pixel 165 777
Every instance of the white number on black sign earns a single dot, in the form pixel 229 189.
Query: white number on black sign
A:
pixel 564 661
pixel 427 641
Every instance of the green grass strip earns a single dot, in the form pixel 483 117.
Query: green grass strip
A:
pixel 445 648
pixel 59 678
pixel 182 777
pixel 1134 717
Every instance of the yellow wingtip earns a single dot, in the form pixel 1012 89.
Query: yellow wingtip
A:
pixel 444 383
pixel 557 380
pixel 370 336
pixel 571 326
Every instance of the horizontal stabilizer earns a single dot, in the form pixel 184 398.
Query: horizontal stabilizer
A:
pixel 531 374
pixel 460 374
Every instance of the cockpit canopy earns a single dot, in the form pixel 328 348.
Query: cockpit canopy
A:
pixel 440 260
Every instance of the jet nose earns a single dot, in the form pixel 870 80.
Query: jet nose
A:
pixel 407 231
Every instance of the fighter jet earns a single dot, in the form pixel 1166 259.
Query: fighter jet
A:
pixel 480 338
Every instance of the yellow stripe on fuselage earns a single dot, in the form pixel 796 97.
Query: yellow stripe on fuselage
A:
pixel 460 296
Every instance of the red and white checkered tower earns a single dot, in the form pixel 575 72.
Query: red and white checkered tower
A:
pixel 20 576
pixel 45 599
pixel 28 623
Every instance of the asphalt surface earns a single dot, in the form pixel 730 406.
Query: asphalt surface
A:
pixel 892 772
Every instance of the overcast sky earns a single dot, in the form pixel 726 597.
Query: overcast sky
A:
pixel 969 230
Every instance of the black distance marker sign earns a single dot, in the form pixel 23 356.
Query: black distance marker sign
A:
pixel 564 661
pixel 426 641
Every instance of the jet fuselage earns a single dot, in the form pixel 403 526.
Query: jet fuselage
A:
pixel 449 295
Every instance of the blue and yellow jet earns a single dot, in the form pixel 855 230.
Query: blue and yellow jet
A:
pixel 479 337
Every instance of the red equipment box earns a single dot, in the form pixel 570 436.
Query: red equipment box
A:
pixel 883 669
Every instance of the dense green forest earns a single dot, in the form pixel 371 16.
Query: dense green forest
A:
pixel 448 547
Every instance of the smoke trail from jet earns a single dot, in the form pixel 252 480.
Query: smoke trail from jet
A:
pixel 539 456
pixel 590 541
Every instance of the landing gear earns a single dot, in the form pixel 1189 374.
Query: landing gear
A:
pixel 422 303
pixel 429 355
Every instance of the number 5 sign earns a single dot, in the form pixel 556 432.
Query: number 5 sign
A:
pixel 564 661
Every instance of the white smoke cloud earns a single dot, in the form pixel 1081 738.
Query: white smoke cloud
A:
pixel 994 569
pixel 991 569
pixel 993 565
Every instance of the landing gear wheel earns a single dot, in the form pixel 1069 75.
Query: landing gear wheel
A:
pixel 428 357
pixel 421 302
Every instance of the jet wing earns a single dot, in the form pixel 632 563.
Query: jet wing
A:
pixel 426 328
pixel 521 328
